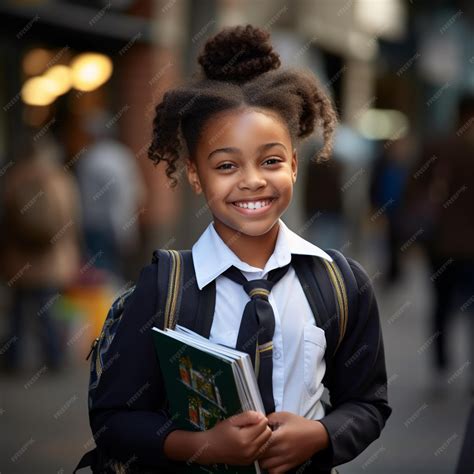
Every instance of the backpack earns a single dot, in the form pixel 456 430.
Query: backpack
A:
pixel 330 288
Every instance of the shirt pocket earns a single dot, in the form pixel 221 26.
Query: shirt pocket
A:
pixel 314 349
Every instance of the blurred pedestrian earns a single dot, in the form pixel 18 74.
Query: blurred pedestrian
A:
pixel 40 250
pixel 441 199
pixel 387 187
pixel 112 195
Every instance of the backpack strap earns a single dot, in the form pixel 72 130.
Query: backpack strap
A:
pixel 346 288
pixel 197 306
pixel 319 292
pixel 170 284
pixel 340 296
pixel 310 271
pixel 329 288
pixel 179 297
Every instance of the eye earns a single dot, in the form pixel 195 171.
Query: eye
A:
pixel 221 167
pixel 274 160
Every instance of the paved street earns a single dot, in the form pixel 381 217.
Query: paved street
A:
pixel 424 433
pixel 45 425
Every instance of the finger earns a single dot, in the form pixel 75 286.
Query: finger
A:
pixel 275 463
pixel 276 435
pixel 274 422
pixel 272 449
pixel 245 418
pixel 251 432
pixel 274 446
pixel 263 441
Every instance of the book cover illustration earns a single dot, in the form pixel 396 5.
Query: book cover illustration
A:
pixel 201 381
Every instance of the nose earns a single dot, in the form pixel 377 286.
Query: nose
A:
pixel 252 179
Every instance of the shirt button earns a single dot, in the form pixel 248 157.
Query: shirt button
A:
pixel 277 354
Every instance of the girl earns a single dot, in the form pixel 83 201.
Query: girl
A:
pixel 236 127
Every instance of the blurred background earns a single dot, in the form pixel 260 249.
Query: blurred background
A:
pixel 82 207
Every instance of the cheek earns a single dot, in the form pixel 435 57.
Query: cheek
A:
pixel 215 193
pixel 285 183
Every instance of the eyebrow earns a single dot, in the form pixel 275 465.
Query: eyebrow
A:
pixel 235 150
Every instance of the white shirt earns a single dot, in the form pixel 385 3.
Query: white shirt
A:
pixel 298 344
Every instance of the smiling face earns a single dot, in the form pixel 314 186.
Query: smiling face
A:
pixel 245 165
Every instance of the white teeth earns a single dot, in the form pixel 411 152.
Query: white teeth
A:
pixel 253 205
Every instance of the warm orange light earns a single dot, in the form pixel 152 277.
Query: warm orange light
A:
pixel 38 91
pixel 90 71
pixel 61 78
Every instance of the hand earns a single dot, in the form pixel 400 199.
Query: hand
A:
pixel 237 440
pixel 294 441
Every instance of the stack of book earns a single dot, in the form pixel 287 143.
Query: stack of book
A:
pixel 205 383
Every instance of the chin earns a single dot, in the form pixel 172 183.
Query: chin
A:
pixel 255 229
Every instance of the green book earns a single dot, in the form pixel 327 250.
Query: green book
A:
pixel 205 382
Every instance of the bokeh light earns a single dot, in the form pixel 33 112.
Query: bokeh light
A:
pixel 39 91
pixel 90 71
pixel 61 76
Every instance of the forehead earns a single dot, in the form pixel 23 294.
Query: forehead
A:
pixel 243 126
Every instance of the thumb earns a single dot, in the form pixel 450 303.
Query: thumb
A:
pixel 248 417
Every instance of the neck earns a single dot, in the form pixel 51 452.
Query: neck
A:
pixel 254 250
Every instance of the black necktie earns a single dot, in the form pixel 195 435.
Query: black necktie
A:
pixel 257 328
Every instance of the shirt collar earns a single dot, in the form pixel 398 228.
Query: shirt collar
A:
pixel 212 257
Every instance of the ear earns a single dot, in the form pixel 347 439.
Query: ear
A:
pixel 193 176
pixel 294 165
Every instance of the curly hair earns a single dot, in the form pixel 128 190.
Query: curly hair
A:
pixel 238 69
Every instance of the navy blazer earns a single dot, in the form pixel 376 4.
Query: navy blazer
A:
pixel 129 419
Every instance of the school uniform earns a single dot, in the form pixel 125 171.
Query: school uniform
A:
pixel 134 427
pixel 298 345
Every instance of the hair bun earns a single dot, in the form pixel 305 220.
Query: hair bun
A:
pixel 238 54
